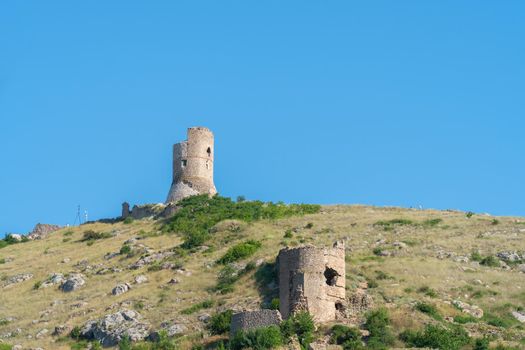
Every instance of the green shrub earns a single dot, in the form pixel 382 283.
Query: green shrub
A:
pixel 198 214
pixel 68 233
pixel 125 344
pixel 91 235
pixel 348 338
pixel 125 249
pixel 226 279
pixel 378 324
pixel 75 333
pixel 432 222
pixel 476 256
pixel 482 344
pixel 257 339
pixel 3 243
pixel 469 214
pixel 5 346
pixel 288 234
pixel 437 337
pixel 429 292
pixel 429 310
pixel 490 261
pixel 2 261
pixel 300 324
pixel 462 319
pixel 240 251
pixel 274 304
pixel 377 251
pixel 390 224
pixel 206 304
pixel 220 323
pixel 496 321
pixel 37 285
pixel 309 225
pixel 494 222
pixel 128 220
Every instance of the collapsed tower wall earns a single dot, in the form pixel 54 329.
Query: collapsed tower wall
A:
pixel 193 165
pixel 312 279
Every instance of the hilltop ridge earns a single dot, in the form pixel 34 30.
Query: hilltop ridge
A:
pixel 466 269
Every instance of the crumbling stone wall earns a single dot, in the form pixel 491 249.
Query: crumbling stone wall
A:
pixel 254 319
pixel 312 279
pixel 149 211
pixel 193 165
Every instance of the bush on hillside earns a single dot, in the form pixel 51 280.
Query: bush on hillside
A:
pixel 257 339
pixel 300 324
pixel 490 261
pixel 91 235
pixel 437 337
pixel 429 310
pixel 198 214
pixel 348 338
pixel 240 251
pixel 378 324
pixel 220 323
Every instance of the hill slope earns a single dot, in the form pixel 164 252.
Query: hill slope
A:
pixel 405 256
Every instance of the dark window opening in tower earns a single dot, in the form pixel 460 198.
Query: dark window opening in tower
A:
pixel 331 276
pixel 209 151
pixel 184 162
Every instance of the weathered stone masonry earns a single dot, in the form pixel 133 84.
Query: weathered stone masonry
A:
pixel 312 279
pixel 193 165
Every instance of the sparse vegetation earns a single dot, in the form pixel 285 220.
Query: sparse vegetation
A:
pixel 206 304
pixel 378 324
pixel 257 339
pixel 301 325
pixel 429 292
pixel 490 261
pixel 91 235
pixel 429 310
pixel 220 322
pixel 240 251
pixel 437 337
pixel 348 338
pixel 198 214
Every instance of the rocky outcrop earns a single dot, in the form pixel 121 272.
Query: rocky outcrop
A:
pixel 73 282
pixel 121 288
pixel 53 279
pixel 21 277
pixel 110 329
pixel 42 230
pixel 472 310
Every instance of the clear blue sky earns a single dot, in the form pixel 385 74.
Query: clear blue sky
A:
pixel 402 103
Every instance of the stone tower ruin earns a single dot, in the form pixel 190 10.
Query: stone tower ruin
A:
pixel 312 279
pixel 193 165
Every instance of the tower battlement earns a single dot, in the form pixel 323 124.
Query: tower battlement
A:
pixel 193 165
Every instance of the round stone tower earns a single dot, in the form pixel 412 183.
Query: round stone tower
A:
pixel 312 279
pixel 193 165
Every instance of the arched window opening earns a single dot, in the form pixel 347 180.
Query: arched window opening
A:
pixel 331 276
pixel 209 151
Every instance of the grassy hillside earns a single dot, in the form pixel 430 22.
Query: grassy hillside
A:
pixel 413 262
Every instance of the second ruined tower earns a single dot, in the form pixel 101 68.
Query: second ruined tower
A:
pixel 193 165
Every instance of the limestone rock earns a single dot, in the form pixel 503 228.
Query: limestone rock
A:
pixel 472 310
pixel 72 283
pixel 42 333
pixel 42 230
pixel 21 277
pixel 53 279
pixel 141 279
pixel 519 316
pixel 15 237
pixel 110 329
pixel 121 288
pixel 61 330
